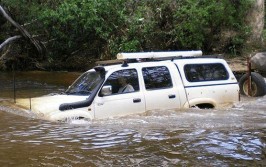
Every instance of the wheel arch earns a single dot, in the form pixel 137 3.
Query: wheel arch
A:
pixel 202 103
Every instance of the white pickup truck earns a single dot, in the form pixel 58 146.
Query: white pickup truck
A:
pixel 139 82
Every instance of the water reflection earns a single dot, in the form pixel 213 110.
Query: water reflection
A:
pixel 34 83
pixel 225 137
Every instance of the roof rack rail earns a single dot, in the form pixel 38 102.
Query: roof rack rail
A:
pixel 151 55
pixel 116 61
pixel 181 57
pixel 108 62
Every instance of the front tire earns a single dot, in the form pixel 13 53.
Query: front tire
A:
pixel 258 85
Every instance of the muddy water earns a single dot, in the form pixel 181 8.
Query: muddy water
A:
pixel 227 137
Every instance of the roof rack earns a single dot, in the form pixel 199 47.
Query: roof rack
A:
pixel 124 58
pixel 154 55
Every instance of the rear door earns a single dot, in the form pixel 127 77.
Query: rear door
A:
pixel 160 90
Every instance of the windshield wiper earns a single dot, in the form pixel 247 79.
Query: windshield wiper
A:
pixel 86 92
pixel 81 92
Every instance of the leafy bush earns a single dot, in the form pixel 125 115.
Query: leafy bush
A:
pixel 101 28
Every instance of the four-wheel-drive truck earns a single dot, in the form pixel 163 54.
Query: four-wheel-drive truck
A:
pixel 140 82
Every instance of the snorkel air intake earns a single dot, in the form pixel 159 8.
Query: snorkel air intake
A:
pixel 89 100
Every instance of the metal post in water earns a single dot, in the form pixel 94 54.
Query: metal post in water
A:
pixel 14 83
pixel 249 75
pixel 30 103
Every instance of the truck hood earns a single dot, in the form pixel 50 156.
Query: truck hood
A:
pixel 47 107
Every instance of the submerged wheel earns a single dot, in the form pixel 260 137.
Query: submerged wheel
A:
pixel 258 85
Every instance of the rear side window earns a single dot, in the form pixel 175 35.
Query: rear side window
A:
pixel 157 77
pixel 205 72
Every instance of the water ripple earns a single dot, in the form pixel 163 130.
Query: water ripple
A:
pixel 229 137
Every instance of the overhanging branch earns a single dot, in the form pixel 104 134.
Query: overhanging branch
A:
pixel 23 31
pixel 9 40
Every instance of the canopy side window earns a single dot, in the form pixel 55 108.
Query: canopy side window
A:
pixel 205 72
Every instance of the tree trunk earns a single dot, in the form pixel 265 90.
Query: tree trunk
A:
pixel 255 19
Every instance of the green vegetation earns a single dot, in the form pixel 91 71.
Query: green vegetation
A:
pixel 83 30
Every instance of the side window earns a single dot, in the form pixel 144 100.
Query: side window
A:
pixel 123 81
pixel 157 77
pixel 205 72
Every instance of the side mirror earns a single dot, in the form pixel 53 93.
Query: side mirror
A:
pixel 106 90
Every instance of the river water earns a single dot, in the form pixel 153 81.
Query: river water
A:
pixel 234 136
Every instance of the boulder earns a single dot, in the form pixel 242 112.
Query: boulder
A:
pixel 258 61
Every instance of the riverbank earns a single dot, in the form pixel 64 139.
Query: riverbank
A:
pixel 82 64
pixel 237 63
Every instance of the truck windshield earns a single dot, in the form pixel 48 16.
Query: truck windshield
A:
pixel 85 84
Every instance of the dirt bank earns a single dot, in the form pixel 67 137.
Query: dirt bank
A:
pixel 237 63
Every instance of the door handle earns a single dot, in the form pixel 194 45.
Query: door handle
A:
pixel 99 104
pixel 137 100
pixel 171 96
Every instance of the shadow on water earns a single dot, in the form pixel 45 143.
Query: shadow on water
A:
pixel 225 137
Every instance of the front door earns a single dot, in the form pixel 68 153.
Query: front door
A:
pixel 125 98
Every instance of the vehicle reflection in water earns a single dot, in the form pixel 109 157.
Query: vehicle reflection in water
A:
pixel 226 137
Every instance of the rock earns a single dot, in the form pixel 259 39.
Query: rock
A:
pixel 258 61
